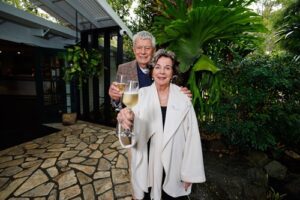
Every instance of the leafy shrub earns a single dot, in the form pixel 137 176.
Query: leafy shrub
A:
pixel 259 103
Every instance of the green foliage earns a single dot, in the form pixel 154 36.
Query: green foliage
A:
pixel 260 103
pixel 206 93
pixel 193 29
pixel 144 16
pixel 289 29
pixel 82 63
pixel 23 5
pixel 121 7
pixel 203 25
pixel 273 195
pixel 225 3
pixel 28 6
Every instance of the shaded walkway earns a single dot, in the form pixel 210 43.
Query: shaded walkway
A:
pixel 82 161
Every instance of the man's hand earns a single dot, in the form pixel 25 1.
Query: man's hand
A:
pixel 125 118
pixel 187 92
pixel 114 92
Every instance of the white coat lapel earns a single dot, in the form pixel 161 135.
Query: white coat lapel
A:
pixel 157 116
pixel 176 111
pixel 149 108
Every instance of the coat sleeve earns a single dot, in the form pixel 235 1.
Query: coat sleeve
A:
pixel 192 169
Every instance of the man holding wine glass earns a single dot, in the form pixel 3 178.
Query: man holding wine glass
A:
pixel 138 69
pixel 166 147
pixel 120 83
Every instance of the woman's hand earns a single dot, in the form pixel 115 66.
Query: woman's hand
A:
pixel 186 185
pixel 125 118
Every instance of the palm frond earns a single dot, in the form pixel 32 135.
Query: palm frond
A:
pixel 224 3
pixel 203 25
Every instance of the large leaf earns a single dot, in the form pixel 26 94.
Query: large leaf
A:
pixel 205 64
pixel 172 9
pixel 203 25
pixel 187 54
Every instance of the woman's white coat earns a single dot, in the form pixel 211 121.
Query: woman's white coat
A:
pixel 176 147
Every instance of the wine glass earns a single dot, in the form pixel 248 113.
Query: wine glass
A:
pixel 130 99
pixel 130 95
pixel 121 81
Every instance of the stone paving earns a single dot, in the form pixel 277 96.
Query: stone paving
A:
pixel 82 161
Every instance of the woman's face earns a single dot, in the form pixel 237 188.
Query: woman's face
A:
pixel 163 71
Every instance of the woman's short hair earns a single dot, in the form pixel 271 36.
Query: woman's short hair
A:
pixel 144 35
pixel 168 54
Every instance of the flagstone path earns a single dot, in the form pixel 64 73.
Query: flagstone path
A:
pixel 82 161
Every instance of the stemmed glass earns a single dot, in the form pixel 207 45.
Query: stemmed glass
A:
pixel 121 83
pixel 130 99
pixel 130 95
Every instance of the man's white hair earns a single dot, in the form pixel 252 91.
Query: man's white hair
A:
pixel 144 35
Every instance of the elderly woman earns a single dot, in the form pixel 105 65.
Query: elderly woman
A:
pixel 166 147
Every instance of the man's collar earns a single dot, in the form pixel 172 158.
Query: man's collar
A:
pixel 144 70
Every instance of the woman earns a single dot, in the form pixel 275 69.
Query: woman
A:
pixel 166 155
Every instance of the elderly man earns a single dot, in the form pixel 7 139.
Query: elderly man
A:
pixel 143 48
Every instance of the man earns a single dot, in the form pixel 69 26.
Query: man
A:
pixel 143 49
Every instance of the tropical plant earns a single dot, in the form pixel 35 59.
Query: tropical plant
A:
pixel 82 64
pixel 121 7
pixel 259 103
pixel 189 28
pixel 289 29
pixel 145 13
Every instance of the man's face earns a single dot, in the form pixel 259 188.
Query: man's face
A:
pixel 143 51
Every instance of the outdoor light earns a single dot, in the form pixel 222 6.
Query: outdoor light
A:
pixel 18 52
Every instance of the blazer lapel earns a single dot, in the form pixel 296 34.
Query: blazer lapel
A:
pixel 133 71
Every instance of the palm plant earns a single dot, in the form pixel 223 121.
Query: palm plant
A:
pixel 188 27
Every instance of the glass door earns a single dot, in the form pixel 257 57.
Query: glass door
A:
pixel 53 88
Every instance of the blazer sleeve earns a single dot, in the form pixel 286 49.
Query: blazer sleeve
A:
pixel 192 169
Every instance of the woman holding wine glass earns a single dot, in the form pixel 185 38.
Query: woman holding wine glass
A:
pixel 166 152
pixel 129 99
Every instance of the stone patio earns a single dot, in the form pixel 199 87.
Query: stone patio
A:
pixel 82 161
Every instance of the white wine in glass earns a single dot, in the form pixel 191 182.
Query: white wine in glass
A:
pixel 121 84
pixel 130 95
pixel 121 87
pixel 130 99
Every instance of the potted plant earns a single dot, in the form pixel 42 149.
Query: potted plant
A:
pixel 81 64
